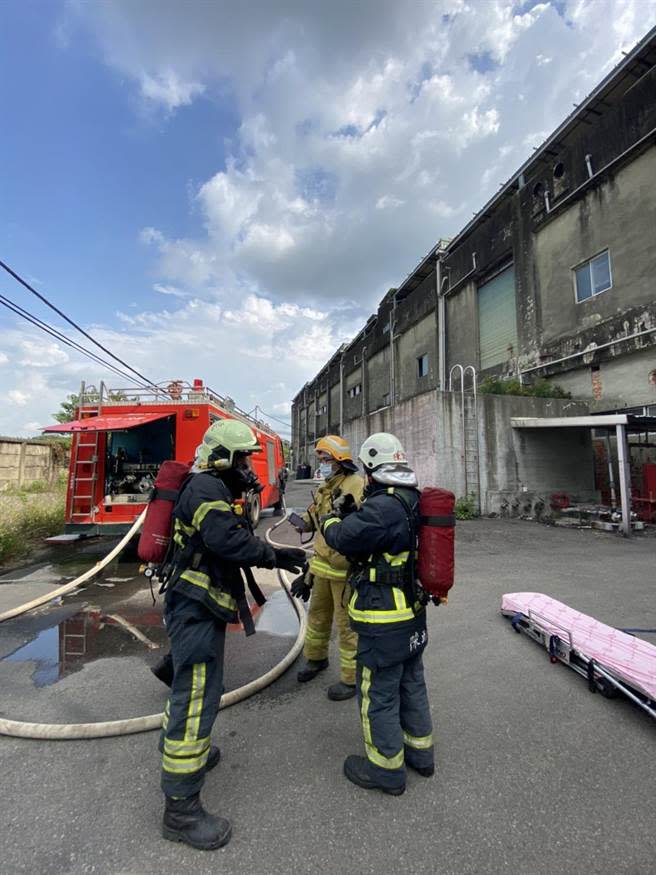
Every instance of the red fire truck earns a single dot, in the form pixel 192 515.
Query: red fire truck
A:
pixel 122 436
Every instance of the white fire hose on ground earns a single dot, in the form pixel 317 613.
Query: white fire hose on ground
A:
pixel 103 729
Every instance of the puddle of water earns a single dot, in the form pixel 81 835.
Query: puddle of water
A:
pixel 277 616
pixel 90 634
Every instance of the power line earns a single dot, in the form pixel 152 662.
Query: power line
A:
pixel 275 418
pixel 74 324
pixel 29 317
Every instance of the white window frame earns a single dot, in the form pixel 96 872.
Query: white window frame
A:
pixel 589 261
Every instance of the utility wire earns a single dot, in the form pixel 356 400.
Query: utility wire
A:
pixel 29 317
pixel 275 418
pixel 74 324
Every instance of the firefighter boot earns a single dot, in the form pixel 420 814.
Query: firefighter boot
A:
pixel 424 771
pixel 212 758
pixel 340 691
pixel 356 769
pixel 185 820
pixel 163 670
pixel 311 669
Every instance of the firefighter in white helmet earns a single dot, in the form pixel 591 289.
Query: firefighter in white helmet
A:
pixel 388 612
pixel 326 576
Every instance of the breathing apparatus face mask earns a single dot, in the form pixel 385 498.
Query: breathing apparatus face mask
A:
pixel 240 477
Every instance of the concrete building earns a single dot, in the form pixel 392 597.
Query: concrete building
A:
pixel 554 279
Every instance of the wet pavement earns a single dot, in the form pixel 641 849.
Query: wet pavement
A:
pixel 534 773
pixel 111 631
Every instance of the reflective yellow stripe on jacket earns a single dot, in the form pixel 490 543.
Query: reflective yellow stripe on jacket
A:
pixel 399 614
pixel 202 580
pixel 323 569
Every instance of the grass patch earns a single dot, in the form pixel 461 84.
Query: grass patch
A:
pixel 26 518
pixel 538 389
pixel 466 507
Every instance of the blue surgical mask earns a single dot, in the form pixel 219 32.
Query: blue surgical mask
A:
pixel 326 470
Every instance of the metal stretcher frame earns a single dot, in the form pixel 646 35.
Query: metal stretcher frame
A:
pixel 561 648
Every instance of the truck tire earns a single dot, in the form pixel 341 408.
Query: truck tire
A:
pixel 254 507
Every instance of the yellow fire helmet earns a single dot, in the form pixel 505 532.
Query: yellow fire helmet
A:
pixel 335 446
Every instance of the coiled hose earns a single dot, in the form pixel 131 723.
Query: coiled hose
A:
pixel 104 729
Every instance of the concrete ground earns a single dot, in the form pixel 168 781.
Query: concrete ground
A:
pixel 535 774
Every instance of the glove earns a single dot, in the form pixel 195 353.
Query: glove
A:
pixel 344 505
pixel 289 558
pixel 302 585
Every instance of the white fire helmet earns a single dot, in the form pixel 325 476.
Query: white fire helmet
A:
pixel 382 455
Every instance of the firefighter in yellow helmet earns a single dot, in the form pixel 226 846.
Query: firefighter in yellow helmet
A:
pixel 325 578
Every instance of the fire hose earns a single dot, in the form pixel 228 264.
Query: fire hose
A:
pixel 128 726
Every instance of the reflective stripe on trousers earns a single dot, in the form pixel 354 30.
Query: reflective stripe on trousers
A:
pixel 330 598
pixel 197 644
pixel 396 720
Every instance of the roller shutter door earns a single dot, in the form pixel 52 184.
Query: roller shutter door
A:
pixel 497 319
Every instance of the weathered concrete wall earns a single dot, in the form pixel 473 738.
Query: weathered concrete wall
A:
pixel 627 381
pixel 419 339
pixel 597 222
pixel 378 379
pixel 512 469
pixel 25 462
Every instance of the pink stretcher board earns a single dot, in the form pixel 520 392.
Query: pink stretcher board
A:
pixel 629 659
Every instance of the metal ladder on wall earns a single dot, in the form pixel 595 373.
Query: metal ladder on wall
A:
pixel 469 425
pixel 85 456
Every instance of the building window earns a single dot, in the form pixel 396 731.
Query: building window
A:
pixel 355 390
pixel 386 328
pixel 593 277
pixel 422 365
pixel 323 409
pixel 386 399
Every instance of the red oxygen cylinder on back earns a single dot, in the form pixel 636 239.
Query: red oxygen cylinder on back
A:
pixel 435 564
pixel 156 533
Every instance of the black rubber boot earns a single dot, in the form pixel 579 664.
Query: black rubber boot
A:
pixel 185 820
pixel 213 758
pixel 356 770
pixel 424 771
pixel 163 670
pixel 340 691
pixel 311 669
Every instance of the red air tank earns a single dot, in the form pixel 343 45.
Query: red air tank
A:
pixel 435 564
pixel 156 532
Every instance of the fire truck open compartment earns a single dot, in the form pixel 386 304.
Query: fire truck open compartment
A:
pixel 133 457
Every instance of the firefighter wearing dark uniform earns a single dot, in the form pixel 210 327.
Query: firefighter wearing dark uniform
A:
pixel 204 592
pixel 389 615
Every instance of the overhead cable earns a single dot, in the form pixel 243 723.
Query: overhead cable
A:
pixel 29 317
pixel 74 324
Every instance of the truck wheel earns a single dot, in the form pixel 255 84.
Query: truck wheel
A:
pixel 254 507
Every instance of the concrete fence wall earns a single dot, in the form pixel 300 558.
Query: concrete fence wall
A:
pixel 23 462
pixel 472 448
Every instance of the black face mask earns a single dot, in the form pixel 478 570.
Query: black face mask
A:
pixel 239 480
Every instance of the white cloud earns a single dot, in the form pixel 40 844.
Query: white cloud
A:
pixel 168 89
pixel 3 358
pixel 366 132
pixel 19 398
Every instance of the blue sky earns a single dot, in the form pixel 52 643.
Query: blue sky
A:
pixel 226 191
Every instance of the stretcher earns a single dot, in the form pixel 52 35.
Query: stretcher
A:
pixel 612 660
